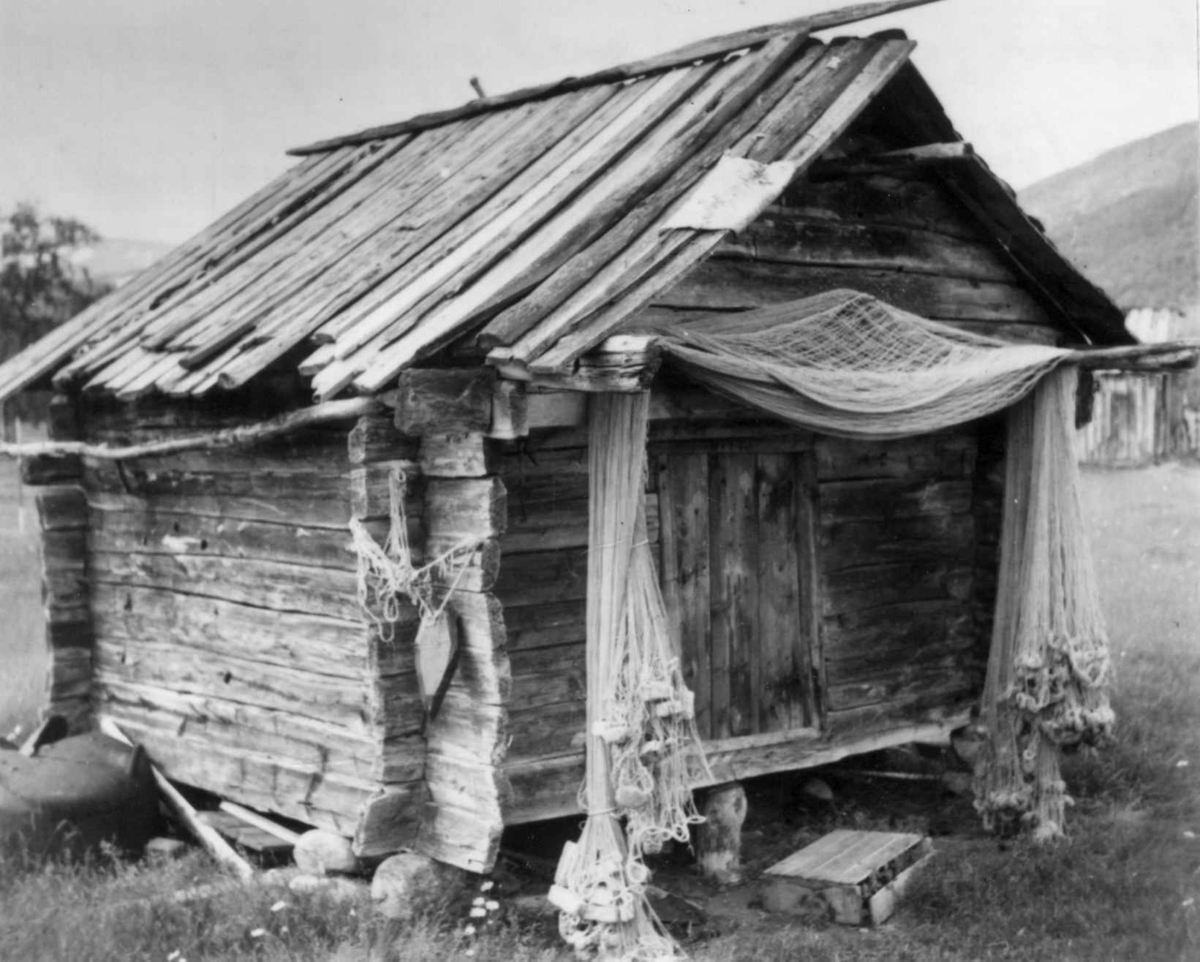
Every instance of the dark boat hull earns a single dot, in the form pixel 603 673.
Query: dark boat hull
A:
pixel 75 794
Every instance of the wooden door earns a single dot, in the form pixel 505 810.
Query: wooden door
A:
pixel 738 570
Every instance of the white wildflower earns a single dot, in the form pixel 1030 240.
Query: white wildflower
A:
pixel 1182 763
pixel 478 912
pixel 469 930
pixel 279 906
pixel 174 955
pixel 487 886
pixel 478 900
pixel 257 933
pixel 491 905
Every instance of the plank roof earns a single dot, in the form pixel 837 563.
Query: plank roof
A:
pixel 532 222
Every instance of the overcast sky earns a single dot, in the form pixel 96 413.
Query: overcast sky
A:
pixel 148 118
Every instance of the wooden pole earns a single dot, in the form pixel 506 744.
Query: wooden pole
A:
pixel 216 846
pixel 228 437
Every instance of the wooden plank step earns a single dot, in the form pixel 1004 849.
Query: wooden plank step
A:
pixel 247 836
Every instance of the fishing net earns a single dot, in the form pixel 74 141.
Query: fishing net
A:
pixel 387 577
pixel 643 749
pixel 1049 667
pixel 847 364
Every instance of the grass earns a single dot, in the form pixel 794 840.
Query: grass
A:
pixel 1124 885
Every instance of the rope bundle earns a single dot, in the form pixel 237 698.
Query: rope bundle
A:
pixel 387 576
pixel 643 749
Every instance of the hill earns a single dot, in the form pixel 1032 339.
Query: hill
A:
pixel 1128 219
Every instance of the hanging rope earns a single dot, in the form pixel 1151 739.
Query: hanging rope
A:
pixel 643 751
pixel 387 577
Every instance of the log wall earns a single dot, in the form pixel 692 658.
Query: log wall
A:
pixel 830 596
pixel 229 637
pixel 904 240
pixel 62 519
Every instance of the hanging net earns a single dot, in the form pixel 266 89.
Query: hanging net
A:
pixel 847 364
pixel 1049 667
pixel 643 751
pixel 387 577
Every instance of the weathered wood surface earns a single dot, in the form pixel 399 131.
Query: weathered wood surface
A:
pixel 445 401
pixel 230 633
pixel 741 284
pixel 548 787
pixel 683 510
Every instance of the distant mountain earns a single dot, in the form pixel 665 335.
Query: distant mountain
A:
pixel 114 261
pixel 1128 219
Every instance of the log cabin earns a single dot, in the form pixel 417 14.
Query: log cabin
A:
pixel 453 290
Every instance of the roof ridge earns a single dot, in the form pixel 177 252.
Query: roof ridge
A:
pixel 700 50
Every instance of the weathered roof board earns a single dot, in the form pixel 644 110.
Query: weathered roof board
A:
pixel 532 219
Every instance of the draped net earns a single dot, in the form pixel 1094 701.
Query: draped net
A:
pixel 845 363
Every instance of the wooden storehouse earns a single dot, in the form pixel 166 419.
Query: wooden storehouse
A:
pixel 452 290
pixel 1136 419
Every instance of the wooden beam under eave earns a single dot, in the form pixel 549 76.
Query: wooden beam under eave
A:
pixel 1141 358
pixel 891 162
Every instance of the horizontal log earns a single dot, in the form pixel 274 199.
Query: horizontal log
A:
pixel 229 437
pixel 732 283
pixel 387 822
pixel 69 673
pixel 548 787
pixel 557 525
pixel 892 161
pixel 547 729
pixel 445 401
pixel 548 676
pixel 542 576
pixel 1143 358
pixel 331 698
pixel 458 456
pixel 465 507
pixel 61 508
pixel 919 540
pixel 260 781
pixel 179 475
pixel 459 837
pixel 782 236
pixel 285 638
pixel 884 201
pixel 323 511
pixel 153 531
pixel 70 634
pixel 855 589
pixel 267 584
pixel 41 468
pixel 375 437
pixel 332 749
pixel 545 625
pixel 925 684
pixel 946 454
pixel 890 633
pixel 880 499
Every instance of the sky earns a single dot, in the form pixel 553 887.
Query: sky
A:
pixel 147 119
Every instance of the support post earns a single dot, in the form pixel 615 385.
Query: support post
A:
pixel 719 846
